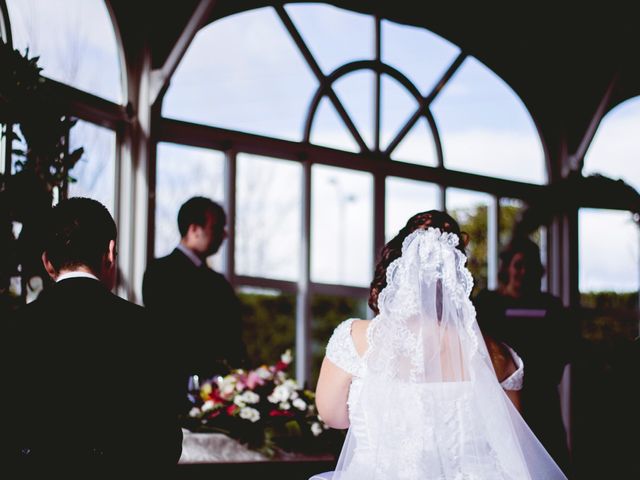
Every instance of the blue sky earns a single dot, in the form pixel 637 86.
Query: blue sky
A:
pixel 244 72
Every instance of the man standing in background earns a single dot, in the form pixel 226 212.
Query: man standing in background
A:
pixel 205 311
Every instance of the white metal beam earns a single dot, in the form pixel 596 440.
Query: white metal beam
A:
pixel 576 161
pixel 161 77
pixel 5 27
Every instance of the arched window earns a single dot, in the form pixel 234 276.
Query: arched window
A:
pixel 331 128
pixel 308 72
pixel 75 41
pixel 609 239
pixel 244 73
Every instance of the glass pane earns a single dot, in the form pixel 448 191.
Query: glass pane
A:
pixel 485 127
pixel 608 251
pixel 604 396
pixel 18 144
pixel 268 217
pixel 184 172
pixel 405 198
pixel 616 145
pixel 510 212
pixel 269 325
pixel 418 146
pixel 95 173
pixel 75 41
pixel 341 226
pixel 4 27
pixel 418 53
pixel 243 72
pixel 398 105
pixel 470 211
pixel 327 312
pixel 3 147
pixel 333 35
pixel 329 130
pixel 355 92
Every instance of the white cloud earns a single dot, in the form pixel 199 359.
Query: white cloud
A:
pixel 615 150
pixel 503 154
pixel 608 251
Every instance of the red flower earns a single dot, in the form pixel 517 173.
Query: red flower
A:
pixel 280 413
pixel 231 409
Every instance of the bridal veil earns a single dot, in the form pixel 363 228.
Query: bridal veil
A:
pixel 432 405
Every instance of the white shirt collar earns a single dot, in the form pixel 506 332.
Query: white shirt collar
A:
pixel 76 274
pixel 190 255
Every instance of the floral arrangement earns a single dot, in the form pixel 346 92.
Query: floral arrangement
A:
pixel 264 409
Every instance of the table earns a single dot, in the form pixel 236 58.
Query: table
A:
pixel 214 455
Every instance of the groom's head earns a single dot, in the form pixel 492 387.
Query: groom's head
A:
pixel 80 235
pixel 202 223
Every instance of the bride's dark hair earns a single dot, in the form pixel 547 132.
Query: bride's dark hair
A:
pixel 393 249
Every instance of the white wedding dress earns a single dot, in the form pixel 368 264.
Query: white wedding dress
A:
pixel 424 402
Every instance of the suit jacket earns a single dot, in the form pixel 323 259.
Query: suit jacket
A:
pixel 86 387
pixel 204 312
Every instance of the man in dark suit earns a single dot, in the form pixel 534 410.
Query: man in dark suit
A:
pixel 85 391
pixel 205 311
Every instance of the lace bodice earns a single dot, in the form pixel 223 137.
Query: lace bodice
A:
pixel 342 352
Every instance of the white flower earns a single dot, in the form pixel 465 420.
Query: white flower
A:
pixel 284 406
pixel 226 385
pixel 263 372
pixel 250 397
pixel 300 404
pixel 286 357
pixel 316 429
pixel 250 414
pixel 280 394
pixel 324 425
pixel 195 412
pixel 208 405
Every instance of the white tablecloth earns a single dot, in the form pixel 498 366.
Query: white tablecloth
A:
pixel 215 447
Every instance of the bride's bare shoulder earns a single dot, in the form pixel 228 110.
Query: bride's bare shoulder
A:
pixel 359 335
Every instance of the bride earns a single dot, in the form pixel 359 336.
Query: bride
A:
pixel 416 386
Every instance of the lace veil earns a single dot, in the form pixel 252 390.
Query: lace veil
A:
pixel 432 404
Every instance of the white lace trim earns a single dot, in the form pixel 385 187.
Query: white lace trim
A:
pixel 439 260
pixel 516 379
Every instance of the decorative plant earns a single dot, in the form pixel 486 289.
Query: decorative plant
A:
pixel 38 136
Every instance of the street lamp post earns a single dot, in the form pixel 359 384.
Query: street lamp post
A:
pixel 343 199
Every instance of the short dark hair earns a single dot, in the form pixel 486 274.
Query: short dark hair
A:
pixel 393 249
pixel 78 232
pixel 194 212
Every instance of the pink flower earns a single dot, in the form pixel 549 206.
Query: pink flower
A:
pixel 253 380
